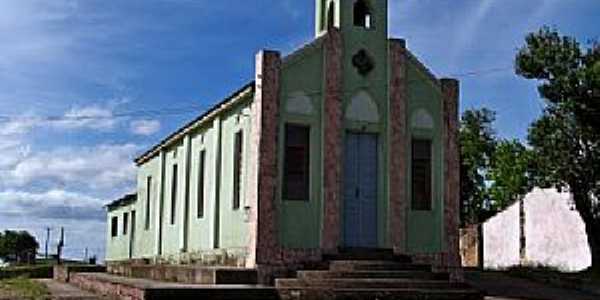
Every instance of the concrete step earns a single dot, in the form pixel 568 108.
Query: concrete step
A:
pixel 367 283
pixel 372 274
pixel 193 274
pixel 375 265
pixel 379 294
pixel 120 287
pixel 367 254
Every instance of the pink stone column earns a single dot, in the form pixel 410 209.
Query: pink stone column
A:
pixel 262 180
pixel 397 169
pixel 450 94
pixel 332 152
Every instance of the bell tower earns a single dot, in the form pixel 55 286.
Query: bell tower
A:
pixel 348 15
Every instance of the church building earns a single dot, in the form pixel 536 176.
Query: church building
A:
pixel 347 143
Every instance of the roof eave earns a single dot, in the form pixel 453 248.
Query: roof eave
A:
pixel 233 99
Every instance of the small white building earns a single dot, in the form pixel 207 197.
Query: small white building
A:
pixel 3 264
pixel 554 234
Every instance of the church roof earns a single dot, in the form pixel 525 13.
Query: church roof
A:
pixel 209 114
pixel 125 200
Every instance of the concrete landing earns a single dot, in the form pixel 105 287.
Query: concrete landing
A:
pixel 63 291
pixel 187 274
pixel 146 289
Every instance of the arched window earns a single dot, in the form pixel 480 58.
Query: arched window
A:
pixel 362 14
pixel 331 15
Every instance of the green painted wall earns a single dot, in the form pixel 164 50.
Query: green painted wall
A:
pixel 170 237
pixel 118 246
pixel 200 237
pixel 234 229
pixel 145 238
pixel 201 230
pixel 302 76
pixel 425 227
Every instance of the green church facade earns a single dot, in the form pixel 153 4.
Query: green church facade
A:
pixel 349 142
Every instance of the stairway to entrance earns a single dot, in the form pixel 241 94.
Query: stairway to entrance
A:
pixel 373 275
pixel 352 275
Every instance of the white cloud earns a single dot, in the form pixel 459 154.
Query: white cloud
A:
pixel 54 204
pixel 145 127
pixel 18 126
pixel 90 117
pixel 95 167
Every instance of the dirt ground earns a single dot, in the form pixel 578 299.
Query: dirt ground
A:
pixel 500 286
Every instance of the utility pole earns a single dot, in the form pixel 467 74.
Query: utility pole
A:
pixel 47 239
pixel 61 244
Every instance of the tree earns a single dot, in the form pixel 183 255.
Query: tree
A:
pixel 566 139
pixel 477 143
pixel 494 173
pixel 18 245
pixel 509 174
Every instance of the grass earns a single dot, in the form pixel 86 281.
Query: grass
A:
pixel 23 288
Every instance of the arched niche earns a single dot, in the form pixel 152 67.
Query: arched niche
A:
pixel 299 103
pixel 363 17
pixel 422 119
pixel 362 108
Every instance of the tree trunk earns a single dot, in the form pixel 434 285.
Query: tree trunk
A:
pixel 592 228
pixel 592 223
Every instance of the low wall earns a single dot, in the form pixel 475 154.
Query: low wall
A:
pixel 64 272
pixel 37 272
pixel 470 246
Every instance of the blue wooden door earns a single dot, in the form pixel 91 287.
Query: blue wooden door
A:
pixel 360 190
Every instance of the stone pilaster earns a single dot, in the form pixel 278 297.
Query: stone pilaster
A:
pixel 332 152
pixel 262 181
pixel 397 126
pixel 450 94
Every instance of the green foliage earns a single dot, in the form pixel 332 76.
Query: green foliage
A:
pixel 19 245
pixel 566 139
pixel 570 76
pixel 477 143
pixel 509 174
pixel 494 173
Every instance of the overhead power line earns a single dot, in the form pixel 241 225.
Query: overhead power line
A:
pixel 180 110
pixel 126 114
pixel 482 72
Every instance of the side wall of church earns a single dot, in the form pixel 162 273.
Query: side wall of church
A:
pixel 167 227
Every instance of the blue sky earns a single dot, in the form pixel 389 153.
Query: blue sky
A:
pixel 107 59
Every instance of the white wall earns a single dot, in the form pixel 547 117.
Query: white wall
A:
pixel 501 239
pixel 555 234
